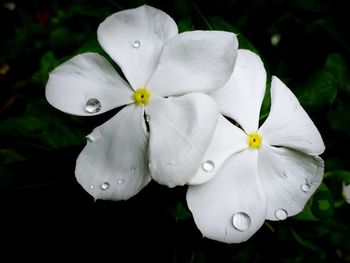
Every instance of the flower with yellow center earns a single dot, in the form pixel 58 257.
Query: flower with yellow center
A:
pixel 165 121
pixel 141 96
pixel 254 140
pixel 255 173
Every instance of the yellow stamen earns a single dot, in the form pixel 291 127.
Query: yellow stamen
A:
pixel 141 96
pixel 254 140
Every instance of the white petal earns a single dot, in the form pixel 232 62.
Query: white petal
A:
pixel 86 77
pixel 134 38
pixel 232 206
pixel 241 98
pixel 114 164
pixel 289 178
pixel 288 124
pixel 346 192
pixel 181 129
pixel 227 140
pixel 195 61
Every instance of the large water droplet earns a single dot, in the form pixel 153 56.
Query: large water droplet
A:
pixel 208 166
pixel 136 44
pixel 93 105
pixel 148 117
pixel 105 186
pixel 121 181
pixel 281 214
pixel 241 221
pixel 305 187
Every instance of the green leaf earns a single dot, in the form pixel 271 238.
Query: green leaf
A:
pixel 90 45
pixel 179 211
pixel 335 65
pixel 39 127
pixel 217 23
pixel 323 203
pixel 306 214
pixel 343 176
pixel 47 63
pixel 320 91
pixel 185 24
pixel 339 117
pixel 322 88
pixel 306 243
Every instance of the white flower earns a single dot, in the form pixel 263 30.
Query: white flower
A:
pixel 122 154
pixel 260 173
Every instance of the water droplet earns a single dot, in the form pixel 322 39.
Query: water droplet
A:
pixel 121 181
pixel 241 221
pixel 305 187
pixel 90 138
pixel 105 186
pixel 208 166
pixel 136 44
pixel 281 214
pixel 92 187
pixel 148 117
pixel 93 106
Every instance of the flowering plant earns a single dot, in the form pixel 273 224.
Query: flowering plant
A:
pixel 178 93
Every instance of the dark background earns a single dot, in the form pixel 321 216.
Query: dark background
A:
pixel 44 209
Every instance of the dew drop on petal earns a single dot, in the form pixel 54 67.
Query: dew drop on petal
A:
pixel 136 44
pixel 281 214
pixel 305 187
pixel 241 221
pixel 208 166
pixel 92 187
pixel 148 117
pixel 93 105
pixel 121 181
pixel 105 186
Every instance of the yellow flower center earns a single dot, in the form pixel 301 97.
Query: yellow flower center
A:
pixel 141 96
pixel 254 140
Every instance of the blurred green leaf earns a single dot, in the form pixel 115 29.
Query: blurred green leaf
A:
pixel 340 240
pixel 47 63
pixel 306 214
pixel 342 176
pixel 179 211
pixel 61 37
pixel 219 23
pixel 38 126
pixel 185 24
pixel 336 66
pixel 321 90
pixel 339 117
pixel 306 243
pixel 90 45
pixel 323 203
